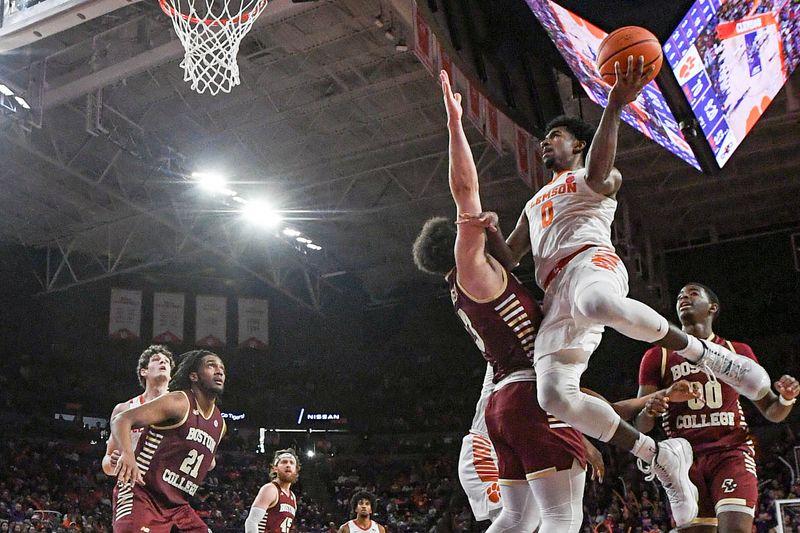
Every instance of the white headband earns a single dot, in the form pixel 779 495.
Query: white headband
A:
pixel 284 455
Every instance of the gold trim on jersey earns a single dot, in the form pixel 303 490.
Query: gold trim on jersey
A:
pixel 704 522
pixel 509 482
pixel 484 300
pixel 541 473
pixel 183 420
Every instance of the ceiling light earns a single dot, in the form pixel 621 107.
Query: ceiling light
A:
pixel 21 101
pixel 303 240
pixel 290 232
pixel 239 199
pixel 313 246
pixel 211 182
pixel 401 46
pixel 310 454
pixel 5 90
pixel 389 35
pixel 379 21
pixel 261 213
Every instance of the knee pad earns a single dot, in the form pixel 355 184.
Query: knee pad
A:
pixel 558 392
pixel 507 520
pixel 599 305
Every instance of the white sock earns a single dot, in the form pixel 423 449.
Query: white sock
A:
pixel 693 351
pixel 644 448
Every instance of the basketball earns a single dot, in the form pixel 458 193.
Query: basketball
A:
pixel 628 41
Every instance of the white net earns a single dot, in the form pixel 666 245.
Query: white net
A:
pixel 211 32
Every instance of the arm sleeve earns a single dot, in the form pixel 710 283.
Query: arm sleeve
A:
pixel 650 367
pixel 253 519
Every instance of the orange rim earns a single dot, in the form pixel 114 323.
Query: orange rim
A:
pixel 171 12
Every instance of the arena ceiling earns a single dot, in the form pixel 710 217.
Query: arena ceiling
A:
pixel 339 126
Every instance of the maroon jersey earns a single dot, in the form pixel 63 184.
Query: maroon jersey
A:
pixel 713 422
pixel 174 460
pixel 279 518
pixel 504 327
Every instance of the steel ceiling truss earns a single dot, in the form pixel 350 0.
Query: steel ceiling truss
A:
pixel 191 231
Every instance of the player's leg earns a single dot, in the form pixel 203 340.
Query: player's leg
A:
pixel 600 296
pixel 558 384
pixel 706 521
pixel 734 487
pixel 520 512
pixel 478 474
pixel 187 520
pixel 135 513
pixel 559 496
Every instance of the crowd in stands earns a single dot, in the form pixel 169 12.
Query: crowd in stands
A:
pixel 418 491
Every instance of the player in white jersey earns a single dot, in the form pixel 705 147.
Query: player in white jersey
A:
pixel 567 226
pixel 477 462
pixel 154 370
pixel 362 505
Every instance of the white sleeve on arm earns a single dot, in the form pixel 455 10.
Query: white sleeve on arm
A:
pixel 253 519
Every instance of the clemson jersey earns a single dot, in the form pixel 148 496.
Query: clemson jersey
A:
pixel 564 216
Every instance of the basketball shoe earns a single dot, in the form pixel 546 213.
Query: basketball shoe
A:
pixel 671 466
pixel 747 377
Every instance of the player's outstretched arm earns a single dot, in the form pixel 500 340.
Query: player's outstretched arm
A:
pixel 601 175
pixel 266 499
pixel 776 407
pixel 595 459
pixel 109 462
pixel 475 272
pixel 169 408
pixel 508 252
pixel 652 403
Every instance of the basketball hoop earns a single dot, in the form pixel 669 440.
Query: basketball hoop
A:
pixel 211 32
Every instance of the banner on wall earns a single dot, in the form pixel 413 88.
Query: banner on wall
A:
pixel 211 321
pixel 125 316
pixel 423 40
pixel 168 310
pixel 253 323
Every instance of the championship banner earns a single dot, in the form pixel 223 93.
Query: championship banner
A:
pixel 493 126
pixel 125 317
pixel 473 105
pixel 168 318
pixel 446 64
pixel 423 39
pixel 253 324
pixel 210 321
pixel 522 141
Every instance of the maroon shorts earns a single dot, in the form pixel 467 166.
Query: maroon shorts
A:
pixel 725 477
pixel 136 512
pixel 528 441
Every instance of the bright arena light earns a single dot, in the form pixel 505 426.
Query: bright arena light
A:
pixel 212 182
pixel 291 232
pixel 313 246
pixel 21 101
pixel 303 240
pixel 310 454
pixel 5 90
pixel 261 213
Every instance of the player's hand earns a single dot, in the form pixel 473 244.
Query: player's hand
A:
pixel 629 85
pixel 113 458
pixel 595 460
pixel 127 471
pixel 486 219
pixel 788 387
pixel 452 101
pixel 657 405
pixel 683 391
